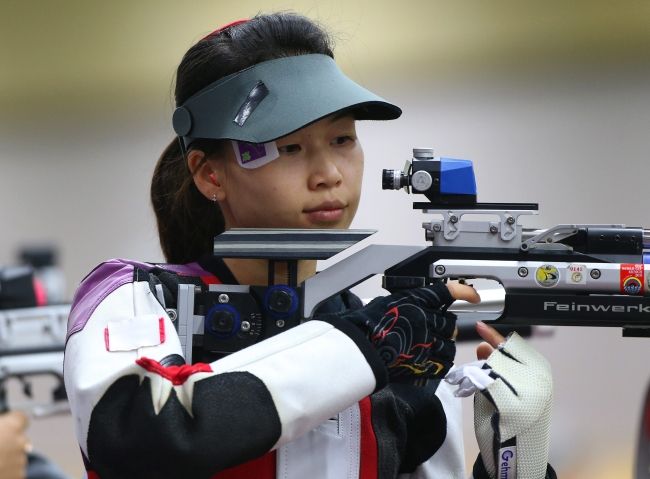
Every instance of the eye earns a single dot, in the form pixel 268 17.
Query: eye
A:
pixel 343 140
pixel 288 149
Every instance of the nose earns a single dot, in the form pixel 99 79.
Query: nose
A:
pixel 324 172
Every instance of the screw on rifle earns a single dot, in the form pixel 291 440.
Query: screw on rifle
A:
pixel 523 272
pixel 223 298
pixel 595 273
pixel 245 326
pixel 510 220
pixel 280 323
pixel 437 228
pixel 453 219
pixel 440 270
pixel 173 315
pixel 493 229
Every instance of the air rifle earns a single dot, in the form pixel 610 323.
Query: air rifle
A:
pixel 32 341
pixel 566 275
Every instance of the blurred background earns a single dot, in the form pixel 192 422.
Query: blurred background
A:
pixel 551 100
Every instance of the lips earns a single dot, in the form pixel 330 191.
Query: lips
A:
pixel 326 212
pixel 326 206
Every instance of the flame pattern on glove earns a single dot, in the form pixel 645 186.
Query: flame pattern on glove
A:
pixel 411 331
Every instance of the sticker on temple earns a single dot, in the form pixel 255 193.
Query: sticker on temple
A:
pixel 254 155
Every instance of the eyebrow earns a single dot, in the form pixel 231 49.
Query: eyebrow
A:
pixel 340 115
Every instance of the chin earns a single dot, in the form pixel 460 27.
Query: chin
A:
pixel 341 225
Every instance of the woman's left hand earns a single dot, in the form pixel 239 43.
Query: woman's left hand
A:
pixel 515 387
pixel 492 338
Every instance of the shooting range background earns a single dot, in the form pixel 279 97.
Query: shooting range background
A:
pixel 550 100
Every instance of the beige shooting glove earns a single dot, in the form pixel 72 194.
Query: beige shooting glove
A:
pixel 512 410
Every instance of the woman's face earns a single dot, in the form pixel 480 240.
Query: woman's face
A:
pixel 315 183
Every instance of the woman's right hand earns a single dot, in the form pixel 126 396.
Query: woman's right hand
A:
pixel 411 330
pixel 13 445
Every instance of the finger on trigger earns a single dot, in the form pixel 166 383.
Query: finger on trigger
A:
pixel 463 292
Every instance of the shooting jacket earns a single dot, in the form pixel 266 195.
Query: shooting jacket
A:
pixel 311 402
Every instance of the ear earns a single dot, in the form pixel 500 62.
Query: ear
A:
pixel 208 175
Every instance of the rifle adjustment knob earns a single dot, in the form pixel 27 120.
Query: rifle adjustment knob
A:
pixel 421 180
pixel 423 153
pixel 393 180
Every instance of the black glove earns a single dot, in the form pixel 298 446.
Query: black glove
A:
pixel 411 332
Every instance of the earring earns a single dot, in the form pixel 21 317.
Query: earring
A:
pixel 214 197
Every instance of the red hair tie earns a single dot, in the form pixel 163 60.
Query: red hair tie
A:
pixel 221 29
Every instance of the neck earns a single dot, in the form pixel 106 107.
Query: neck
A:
pixel 255 271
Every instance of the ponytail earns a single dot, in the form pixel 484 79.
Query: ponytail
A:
pixel 187 220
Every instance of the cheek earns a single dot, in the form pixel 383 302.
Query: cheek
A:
pixel 354 173
pixel 271 185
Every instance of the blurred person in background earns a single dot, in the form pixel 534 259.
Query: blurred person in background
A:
pixel 14 445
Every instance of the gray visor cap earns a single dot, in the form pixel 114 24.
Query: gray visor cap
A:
pixel 274 98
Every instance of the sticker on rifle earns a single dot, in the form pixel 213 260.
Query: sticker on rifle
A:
pixel 547 276
pixel 577 274
pixel 632 279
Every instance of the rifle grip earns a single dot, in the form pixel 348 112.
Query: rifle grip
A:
pixel 392 284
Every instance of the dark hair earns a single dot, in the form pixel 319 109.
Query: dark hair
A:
pixel 187 221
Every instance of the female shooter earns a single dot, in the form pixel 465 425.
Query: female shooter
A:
pixel 266 127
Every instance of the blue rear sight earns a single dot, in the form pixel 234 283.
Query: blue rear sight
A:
pixel 444 181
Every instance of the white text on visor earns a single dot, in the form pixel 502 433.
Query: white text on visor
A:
pixel 254 155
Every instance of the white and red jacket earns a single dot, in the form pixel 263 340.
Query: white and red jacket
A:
pixel 311 402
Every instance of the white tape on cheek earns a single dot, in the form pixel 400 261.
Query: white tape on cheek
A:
pixel 254 155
